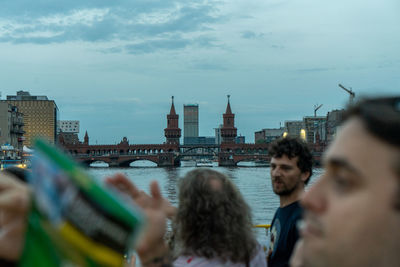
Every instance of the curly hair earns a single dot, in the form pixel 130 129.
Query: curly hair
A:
pixel 293 147
pixel 213 220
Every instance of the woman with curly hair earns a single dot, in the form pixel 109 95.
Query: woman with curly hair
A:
pixel 213 226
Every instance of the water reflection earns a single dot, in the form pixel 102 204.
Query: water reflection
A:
pixel 171 184
pixel 253 182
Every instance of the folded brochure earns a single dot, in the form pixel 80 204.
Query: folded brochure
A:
pixel 74 219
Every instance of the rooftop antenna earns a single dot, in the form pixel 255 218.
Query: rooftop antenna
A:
pixel 350 92
pixel 316 107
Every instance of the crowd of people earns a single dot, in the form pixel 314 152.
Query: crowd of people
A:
pixel 348 217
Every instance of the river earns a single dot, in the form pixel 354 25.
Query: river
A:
pixel 253 182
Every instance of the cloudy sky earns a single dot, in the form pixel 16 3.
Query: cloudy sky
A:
pixel 114 65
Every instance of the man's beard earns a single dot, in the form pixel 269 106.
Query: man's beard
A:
pixel 285 191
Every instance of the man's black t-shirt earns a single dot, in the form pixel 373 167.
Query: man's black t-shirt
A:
pixel 284 234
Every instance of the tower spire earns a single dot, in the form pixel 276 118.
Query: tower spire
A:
pixel 172 132
pixel 228 107
pixel 228 130
pixel 86 139
pixel 172 111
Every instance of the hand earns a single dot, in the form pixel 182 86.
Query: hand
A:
pixel 151 248
pixel 14 207
pixel 143 200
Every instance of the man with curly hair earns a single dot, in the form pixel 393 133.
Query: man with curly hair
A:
pixel 291 169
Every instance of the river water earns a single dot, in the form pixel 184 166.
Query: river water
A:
pixel 253 182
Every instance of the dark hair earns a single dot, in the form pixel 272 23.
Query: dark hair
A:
pixel 293 147
pixel 213 220
pixel 381 117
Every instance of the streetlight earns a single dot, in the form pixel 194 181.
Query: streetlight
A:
pixel 303 134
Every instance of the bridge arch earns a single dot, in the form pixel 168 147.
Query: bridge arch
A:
pixel 251 158
pixel 89 161
pixel 197 147
pixel 143 164
pixel 127 163
pixel 99 163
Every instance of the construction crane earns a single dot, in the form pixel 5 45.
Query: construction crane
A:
pixel 351 93
pixel 316 107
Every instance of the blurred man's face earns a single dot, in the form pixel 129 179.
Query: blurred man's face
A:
pixel 350 218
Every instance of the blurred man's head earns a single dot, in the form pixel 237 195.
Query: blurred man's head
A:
pixel 352 212
pixel 213 219
pixel 291 165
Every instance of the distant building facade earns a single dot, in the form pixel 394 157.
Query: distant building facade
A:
pixel 68 132
pixel 200 140
pixel 240 139
pixel 218 137
pixel 268 135
pixel 293 128
pixel 190 122
pixel 68 138
pixel 333 120
pixel 40 116
pixel 11 131
pixel 315 128
pixel 68 126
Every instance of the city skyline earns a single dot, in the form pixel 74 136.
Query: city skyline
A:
pixel 115 65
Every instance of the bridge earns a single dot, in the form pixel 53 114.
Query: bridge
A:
pixel 164 155
pixel 170 153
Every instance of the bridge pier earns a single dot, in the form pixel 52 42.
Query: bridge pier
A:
pixel 226 159
pixel 123 164
pixel 113 164
pixel 168 160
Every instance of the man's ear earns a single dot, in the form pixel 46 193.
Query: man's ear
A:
pixel 305 176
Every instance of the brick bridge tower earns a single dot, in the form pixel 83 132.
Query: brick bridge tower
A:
pixel 86 139
pixel 172 132
pixel 228 130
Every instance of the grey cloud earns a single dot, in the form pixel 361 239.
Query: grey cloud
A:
pixel 151 46
pixel 251 35
pixel 248 35
pixel 187 19
pixel 388 64
pixel 112 50
pixel 314 70
pixel 38 8
pixel 209 66
pixel 194 18
pixel 207 42
pixel 277 46
pixel 170 43
pixel 118 23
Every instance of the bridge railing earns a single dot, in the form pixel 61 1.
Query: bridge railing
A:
pixel 108 154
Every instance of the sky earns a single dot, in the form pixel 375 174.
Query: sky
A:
pixel 114 65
